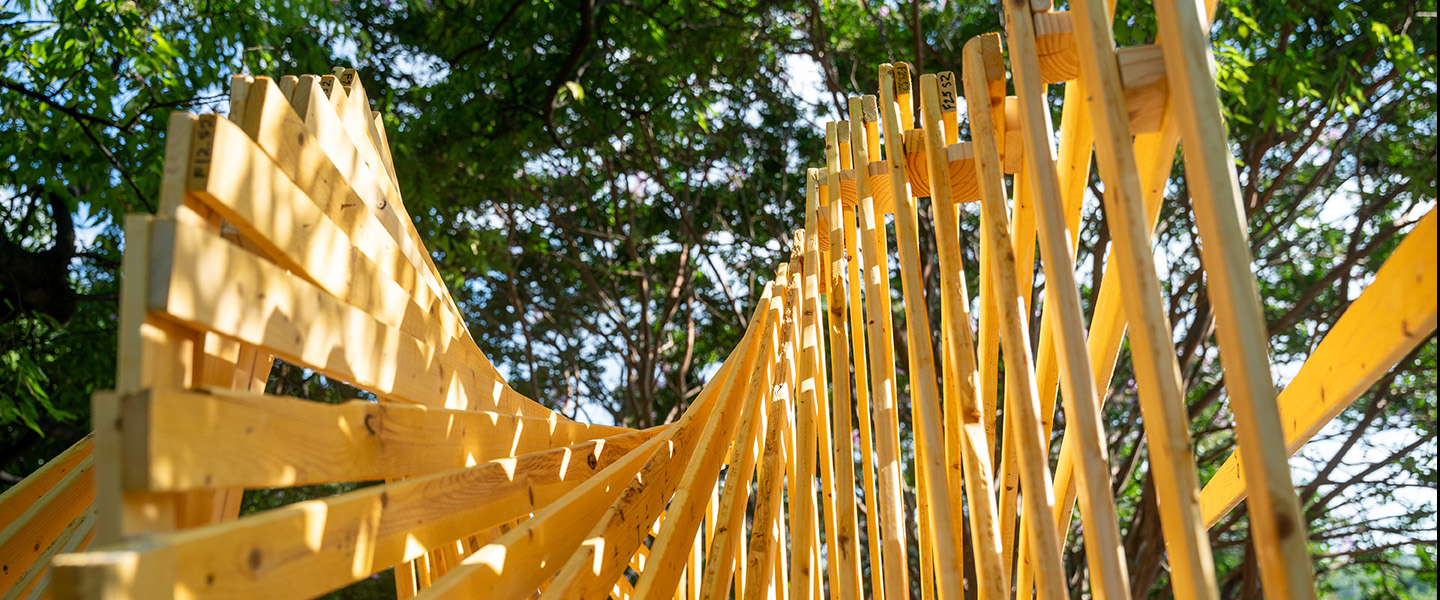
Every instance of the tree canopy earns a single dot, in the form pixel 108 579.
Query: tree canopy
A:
pixel 604 182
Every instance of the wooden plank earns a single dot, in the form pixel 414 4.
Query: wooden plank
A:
pixel 309 157
pixel 789 273
pixel 939 122
pixel 726 527
pixel 360 105
pixel 525 557
pixel 313 547
pixel 1394 314
pixel 31 534
pixel 1276 522
pixel 1034 472
pixel 813 349
pixel 189 440
pixel 319 115
pixel 766 543
pixel 592 567
pixel 21 496
pixel 988 352
pixel 152 352
pixel 1023 243
pixel 1108 575
pixel 1157 370
pixel 964 419
pixel 878 175
pixel 817 284
pixel 804 530
pixel 876 263
pixel 988 321
pixel 76 536
pixel 925 392
pixel 853 131
pixel 1055 47
pixel 844 547
pixel 226 290
pixel 1108 325
pixel 686 510
pixel 356 121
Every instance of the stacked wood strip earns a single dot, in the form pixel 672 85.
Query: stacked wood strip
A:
pixel 283 235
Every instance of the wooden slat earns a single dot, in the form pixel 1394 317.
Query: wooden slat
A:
pixel 221 288
pixel 319 114
pixel 727 531
pixel 1034 469
pixel 313 547
pixel 1394 314
pixel 1276 523
pixel 963 416
pixel 925 393
pixel 851 130
pixel 686 510
pixel 1106 555
pixel 813 349
pixel 804 522
pixel 190 439
pixel 844 547
pixel 310 152
pixel 21 496
pixel 596 563
pixel 1157 370
pixel 876 263
pixel 30 536
pixel 766 545
pixel 34 583
pixel 526 557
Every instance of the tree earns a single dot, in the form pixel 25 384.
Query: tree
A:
pixel 84 98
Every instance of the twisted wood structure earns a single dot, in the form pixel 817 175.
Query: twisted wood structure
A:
pixel 282 234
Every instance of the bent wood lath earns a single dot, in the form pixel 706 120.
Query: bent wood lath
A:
pixel 282 234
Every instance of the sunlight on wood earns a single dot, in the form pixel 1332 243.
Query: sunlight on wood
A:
pixel 283 234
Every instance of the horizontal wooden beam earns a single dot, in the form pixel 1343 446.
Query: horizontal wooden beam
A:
pixel 204 281
pixel 184 440
pixel 1387 321
pixel 313 547
pixel 275 187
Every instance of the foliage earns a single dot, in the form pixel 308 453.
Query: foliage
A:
pixel 604 183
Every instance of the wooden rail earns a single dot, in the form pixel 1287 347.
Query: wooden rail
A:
pixel 283 234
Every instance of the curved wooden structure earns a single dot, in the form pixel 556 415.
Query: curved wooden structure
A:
pixel 282 234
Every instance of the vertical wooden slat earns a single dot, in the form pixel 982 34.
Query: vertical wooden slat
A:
pixel 960 360
pixel 925 393
pixel 1034 468
pixel 844 545
pixel 1157 370
pixel 1105 552
pixel 1278 527
pixel 882 361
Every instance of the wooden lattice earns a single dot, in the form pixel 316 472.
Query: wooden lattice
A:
pixel 282 234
